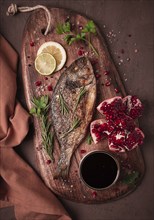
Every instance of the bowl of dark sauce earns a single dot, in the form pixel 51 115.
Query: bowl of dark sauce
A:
pixel 99 170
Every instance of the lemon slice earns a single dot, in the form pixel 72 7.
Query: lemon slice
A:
pixel 56 50
pixel 45 64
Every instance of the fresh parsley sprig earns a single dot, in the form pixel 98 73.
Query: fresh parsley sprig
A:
pixel 83 35
pixel 40 110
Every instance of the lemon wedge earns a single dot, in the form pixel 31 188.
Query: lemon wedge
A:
pixel 56 50
pixel 45 64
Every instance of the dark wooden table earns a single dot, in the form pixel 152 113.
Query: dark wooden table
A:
pixel 127 28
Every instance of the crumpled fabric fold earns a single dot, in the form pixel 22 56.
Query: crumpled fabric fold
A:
pixel 19 184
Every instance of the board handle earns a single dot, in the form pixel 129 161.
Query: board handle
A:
pixel 13 9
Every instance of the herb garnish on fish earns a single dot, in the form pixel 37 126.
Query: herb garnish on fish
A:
pixel 89 139
pixel 75 124
pixel 40 110
pixel 64 107
pixel 82 92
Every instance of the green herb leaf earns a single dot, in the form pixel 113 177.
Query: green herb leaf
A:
pixel 82 92
pixel 89 28
pixel 131 178
pixel 63 28
pixel 76 123
pixel 40 110
pixel 89 139
pixel 64 107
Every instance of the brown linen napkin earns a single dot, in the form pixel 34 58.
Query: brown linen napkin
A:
pixel 19 184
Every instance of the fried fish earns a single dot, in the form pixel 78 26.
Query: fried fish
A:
pixel 72 108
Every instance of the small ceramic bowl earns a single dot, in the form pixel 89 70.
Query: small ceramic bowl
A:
pixel 99 170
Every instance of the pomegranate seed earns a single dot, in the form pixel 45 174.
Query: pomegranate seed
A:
pixel 46 78
pixel 80 52
pixel 81 48
pixel 49 88
pixel 94 194
pixel 106 72
pixel 32 44
pixel 48 162
pixel 98 76
pixel 116 90
pixel 108 83
pixel 83 151
pixel 38 83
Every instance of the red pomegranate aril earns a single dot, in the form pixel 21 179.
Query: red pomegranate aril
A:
pixel 46 78
pixel 116 90
pixel 97 75
pixel 83 151
pixel 108 83
pixel 134 139
pixel 49 88
pixel 32 44
pixel 106 72
pixel 38 83
pixel 48 162
pixel 133 106
pixel 80 52
pixel 94 194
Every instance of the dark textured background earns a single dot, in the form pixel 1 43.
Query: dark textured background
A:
pixel 132 23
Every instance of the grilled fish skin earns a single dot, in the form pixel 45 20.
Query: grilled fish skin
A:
pixel 77 77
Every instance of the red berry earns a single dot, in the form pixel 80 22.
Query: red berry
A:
pixel 106 72
pixel 49 88
pixel 38 83
pixel 48 162
pixel 80 52
pixel 32 44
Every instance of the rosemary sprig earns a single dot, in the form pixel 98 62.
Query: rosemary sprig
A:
pixel 82 92
pixel 76 123
pixel 40 110
pixel 64 107
pixel 89 139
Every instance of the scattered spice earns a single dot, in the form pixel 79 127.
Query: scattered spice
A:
pixel 129 35
pixel 122 51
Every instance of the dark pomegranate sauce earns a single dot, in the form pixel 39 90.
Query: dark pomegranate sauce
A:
pixel 99 170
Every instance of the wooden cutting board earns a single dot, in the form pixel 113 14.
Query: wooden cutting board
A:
pixel 74 189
